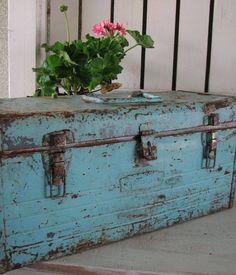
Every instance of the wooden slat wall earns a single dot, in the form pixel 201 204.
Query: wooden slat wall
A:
pixel 130 13
pixel 223 60
pixel 192 48
pixel 159 61
pixel 41 30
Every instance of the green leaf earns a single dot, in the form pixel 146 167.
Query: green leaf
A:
pixel 142 40
pixel 46 47
pixel 122 41
pixel 57 47
pixel 53 61
pixel 96 63
pixel 66 57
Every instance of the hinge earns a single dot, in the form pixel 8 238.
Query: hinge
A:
pixel 55 162
pixel 210 142
pixel 148 149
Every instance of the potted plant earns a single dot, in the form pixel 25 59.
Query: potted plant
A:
pixel 80 67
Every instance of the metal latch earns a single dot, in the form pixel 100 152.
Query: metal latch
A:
pixel 148 150
pixel 55 162
pixel 210 142
pixel 57 159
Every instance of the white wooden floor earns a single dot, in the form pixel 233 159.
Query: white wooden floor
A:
pixel 202 246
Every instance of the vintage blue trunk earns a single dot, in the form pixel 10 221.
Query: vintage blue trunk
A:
pixel 76 175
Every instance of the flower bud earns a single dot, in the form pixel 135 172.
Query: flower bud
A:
pixel 63 8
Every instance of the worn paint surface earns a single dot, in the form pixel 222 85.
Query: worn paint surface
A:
pixel 111 191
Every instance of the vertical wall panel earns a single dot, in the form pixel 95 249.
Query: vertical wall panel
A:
pixel 57 25
pixel 159 61
pixel 193 34
pixel 223 61
pixel 3 53
pixel 22 47
pixel 130 14
pixel 41 30
pixel 93 12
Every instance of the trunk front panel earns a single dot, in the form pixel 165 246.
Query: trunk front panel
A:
pixel 111 194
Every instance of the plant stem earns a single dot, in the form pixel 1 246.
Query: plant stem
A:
pixel 131 48
pixel 67 26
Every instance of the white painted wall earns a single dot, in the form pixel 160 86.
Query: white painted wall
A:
pixel 41 29
pixel 193 34
pixel 159 61
pixel 223 64
pixel 21 47
pixel 3 49
pixel 161 15
pixel 129 13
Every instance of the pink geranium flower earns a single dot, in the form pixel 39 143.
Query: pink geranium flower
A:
pixel 98 30
pixel 109 26
pixel 120 28
pixel 106 27
pixel 103 28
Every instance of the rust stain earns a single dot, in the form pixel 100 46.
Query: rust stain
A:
pixel 146 227
pixel 213 210
pixel 179 220
pixel 102 111
pixel 11 116
pixel 68 114
pixel 54 252
pixel 84 245
pixel 181 97
pixel 217 104
pixel 74 196
pixel 6 264
pixel 103 240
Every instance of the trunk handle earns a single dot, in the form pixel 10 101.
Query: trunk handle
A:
pixel 134 97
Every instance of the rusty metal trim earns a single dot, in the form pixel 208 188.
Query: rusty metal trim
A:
pixel 217 104
pixel 99 142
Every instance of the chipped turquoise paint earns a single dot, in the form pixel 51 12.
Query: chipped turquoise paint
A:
pixel 110 193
